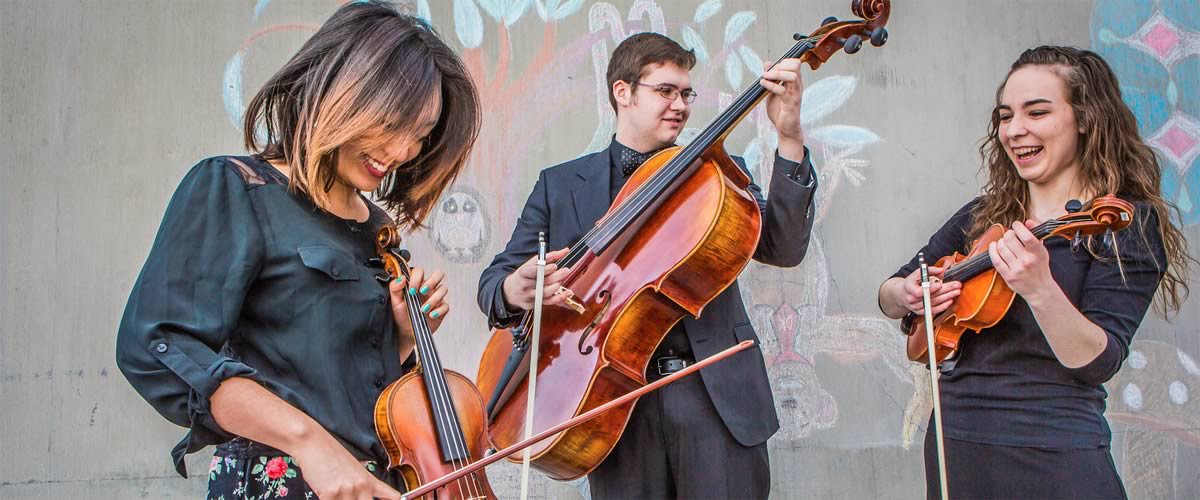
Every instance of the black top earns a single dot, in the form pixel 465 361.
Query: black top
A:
pixel 248 279
pixel 1007 387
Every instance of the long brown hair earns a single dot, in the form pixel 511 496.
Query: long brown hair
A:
pixel 367 66
pixel 1113 159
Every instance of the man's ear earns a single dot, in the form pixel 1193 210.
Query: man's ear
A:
pixel 622 92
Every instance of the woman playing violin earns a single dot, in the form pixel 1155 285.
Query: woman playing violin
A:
pixel 1022 401
pixel 259 321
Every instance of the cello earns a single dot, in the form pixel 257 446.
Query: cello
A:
pixel 985 297
pixel 430 421
pixel 677 235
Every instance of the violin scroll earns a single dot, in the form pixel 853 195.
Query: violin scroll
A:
pixel 1103 215
pixel 395 261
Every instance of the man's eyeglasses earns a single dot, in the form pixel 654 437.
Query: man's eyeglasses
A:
pixel 671 93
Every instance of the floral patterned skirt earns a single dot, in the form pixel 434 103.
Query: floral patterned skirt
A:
pixel 246 470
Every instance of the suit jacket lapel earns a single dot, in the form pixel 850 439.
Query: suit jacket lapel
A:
pixel 590 194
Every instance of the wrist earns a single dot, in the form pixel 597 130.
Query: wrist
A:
pixel 792 148
pixel 506 297
pixel 1042 295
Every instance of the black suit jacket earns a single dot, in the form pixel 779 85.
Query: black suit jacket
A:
pixel 566 202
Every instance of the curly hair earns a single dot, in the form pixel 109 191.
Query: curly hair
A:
pixel 1113 159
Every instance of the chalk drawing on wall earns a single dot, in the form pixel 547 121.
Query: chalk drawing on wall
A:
pixel 1154 394
pixel 1154 48
pixel 459 227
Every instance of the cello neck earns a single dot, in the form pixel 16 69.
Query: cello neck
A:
pixel 714 133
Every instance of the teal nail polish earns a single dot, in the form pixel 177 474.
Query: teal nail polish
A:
pixel 425 308
pixel 434 315
pixel 424 290
pixel 412 290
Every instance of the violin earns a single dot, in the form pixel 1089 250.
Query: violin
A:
pixel 430 421
pixel 985 297
pixel 677 235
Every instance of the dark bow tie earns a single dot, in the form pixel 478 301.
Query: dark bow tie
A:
pixel 631 160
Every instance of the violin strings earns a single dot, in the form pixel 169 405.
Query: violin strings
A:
pixel 981 262
pixel 432 375
pixel 440 402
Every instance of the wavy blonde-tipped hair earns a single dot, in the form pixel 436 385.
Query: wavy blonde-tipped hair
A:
pixel 1113 158
pixel 367 66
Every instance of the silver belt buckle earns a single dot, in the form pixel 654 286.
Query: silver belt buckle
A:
pixel 667 365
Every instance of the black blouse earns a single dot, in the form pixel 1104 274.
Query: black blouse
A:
pixel 248 279
pixel 1007 387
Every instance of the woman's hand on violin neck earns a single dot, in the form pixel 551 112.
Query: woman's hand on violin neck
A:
pixel 429 292
pixel 1023 262
pixel 785 87
pixel 518 287
pixel 334 474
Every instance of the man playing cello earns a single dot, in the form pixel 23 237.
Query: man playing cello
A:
pixel 702 436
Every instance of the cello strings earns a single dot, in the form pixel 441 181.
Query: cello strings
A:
pixel 645 194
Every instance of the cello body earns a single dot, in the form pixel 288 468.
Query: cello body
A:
pixel 674 258
pixel 679 233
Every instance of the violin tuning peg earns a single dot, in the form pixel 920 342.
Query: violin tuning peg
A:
pixel 879 36
pixel 375 262
pixel 829 20
pixel 405 254
pixel 797 36
pixel 1076 242
pixel 1074 206
pixel 852 43
pixel 1108 236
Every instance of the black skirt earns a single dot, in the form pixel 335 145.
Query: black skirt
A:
pixel 987 471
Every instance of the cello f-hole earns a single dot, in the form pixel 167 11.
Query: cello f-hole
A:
pixel 606 298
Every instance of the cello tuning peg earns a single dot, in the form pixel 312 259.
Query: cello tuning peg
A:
pixel 879 36
pixel 1074 206
pixel 851 44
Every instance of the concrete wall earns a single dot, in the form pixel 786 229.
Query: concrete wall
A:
pixel 105 104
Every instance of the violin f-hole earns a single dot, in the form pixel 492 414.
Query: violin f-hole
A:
pixel 606 298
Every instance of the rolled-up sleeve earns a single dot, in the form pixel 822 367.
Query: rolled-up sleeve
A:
pixel 1119 287
pixel 186 302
